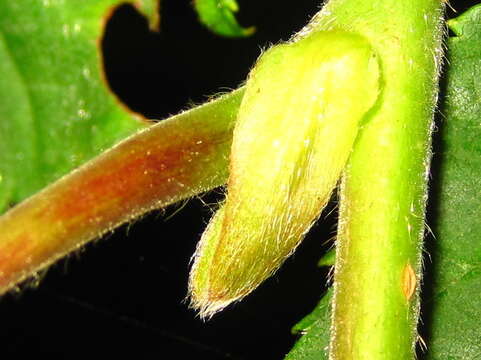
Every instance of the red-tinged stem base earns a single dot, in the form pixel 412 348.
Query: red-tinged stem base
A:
pixel 170 161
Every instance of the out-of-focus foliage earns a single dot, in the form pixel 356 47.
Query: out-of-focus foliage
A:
pixel 56 110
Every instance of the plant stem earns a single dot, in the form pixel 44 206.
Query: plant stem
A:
pixel 383 193
pixel 170 161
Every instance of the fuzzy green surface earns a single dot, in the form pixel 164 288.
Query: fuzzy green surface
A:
pixel 284 163
pixel 383 193
pixel 56 110
pixel 451 308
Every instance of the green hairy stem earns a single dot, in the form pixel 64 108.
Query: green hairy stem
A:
pixel 383 191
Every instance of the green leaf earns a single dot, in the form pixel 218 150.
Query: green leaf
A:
pixel 328 259
pixel 218 16
pixel 453 309
pixel 315 327
pixel 56 110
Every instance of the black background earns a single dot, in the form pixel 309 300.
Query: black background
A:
pixel 123 295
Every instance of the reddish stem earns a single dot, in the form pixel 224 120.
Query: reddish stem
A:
pixel 172 160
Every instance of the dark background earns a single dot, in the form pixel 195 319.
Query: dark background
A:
pixel 123 295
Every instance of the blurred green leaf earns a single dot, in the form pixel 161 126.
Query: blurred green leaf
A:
pixel 56 110
pixel 313 345
pixel 328 259
pixel 453 309
pixel 218 16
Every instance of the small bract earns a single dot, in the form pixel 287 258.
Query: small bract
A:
pixel 296 127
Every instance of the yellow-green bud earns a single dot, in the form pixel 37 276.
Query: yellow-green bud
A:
pixel 296 127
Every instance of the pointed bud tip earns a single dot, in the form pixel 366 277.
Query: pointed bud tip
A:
pixel 208 306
